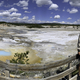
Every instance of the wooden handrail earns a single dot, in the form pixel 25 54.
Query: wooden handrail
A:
pixel 36 67
pixel 54 77
pixel 63 74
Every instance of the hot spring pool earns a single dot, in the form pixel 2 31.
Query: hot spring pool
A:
pixel 4 53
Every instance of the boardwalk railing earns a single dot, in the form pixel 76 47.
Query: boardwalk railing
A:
pixel 40 67
pixel 36 67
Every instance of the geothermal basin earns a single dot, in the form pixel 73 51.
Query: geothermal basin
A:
pixel 44 45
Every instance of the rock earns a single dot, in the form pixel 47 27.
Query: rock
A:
pixel 38 76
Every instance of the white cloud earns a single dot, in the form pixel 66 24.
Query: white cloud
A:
pixel 55 21
pixel 14 19
pixel 33 20
pixel 43 2
pixel 66 0
pixel 5 14
pixel 14 14
pixel 19 20
pixel 75 2
pixel 33 17
pixel 63 10
pixel 25 8
pixel 57 16
pixel 69 23
pixel 62 22
pixel 77 22
pixel 22 3
pixel 53 6
pixel 39 21
pixel 25 18
pixel 13 9
pixel 1 3
pixel 10 13
pixel 47 21
pixel 73 10
pixel 46 2
pixel 27 12
pixel 69 18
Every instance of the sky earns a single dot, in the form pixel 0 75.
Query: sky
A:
pixel 40 11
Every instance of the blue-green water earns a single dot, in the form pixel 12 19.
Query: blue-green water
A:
pixel 4 53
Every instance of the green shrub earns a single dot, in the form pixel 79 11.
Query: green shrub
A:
pixel 20 58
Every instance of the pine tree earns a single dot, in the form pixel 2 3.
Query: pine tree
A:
pixel 20 58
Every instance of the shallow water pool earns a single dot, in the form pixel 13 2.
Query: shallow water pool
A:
pixel 4 53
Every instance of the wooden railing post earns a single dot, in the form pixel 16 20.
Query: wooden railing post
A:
pixel 6 73
pixel 69 76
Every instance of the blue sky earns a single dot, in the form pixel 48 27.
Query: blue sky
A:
pixel 40 11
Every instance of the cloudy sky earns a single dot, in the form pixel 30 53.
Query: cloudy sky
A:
pixel 40 11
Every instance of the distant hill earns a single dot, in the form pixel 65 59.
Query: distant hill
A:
pixel 38 25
